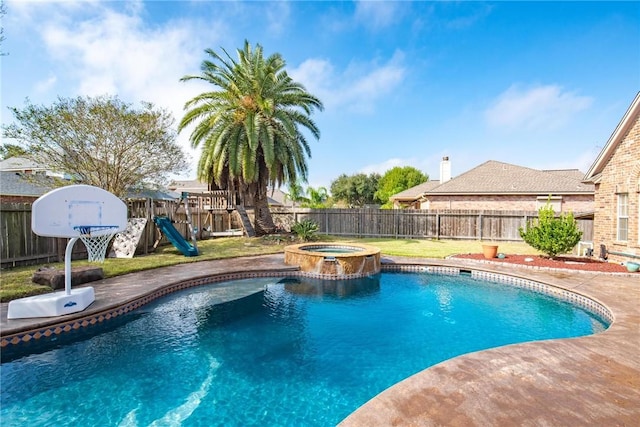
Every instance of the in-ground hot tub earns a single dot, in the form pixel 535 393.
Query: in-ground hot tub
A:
pixel 334 260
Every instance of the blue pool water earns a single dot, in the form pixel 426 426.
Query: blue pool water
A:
pixel 302 353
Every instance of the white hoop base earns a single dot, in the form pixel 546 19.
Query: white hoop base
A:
pixel 51 304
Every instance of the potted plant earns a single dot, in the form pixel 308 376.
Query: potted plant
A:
pixel 489 250
pixel 632 267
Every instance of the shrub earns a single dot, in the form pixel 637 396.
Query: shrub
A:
pixel 305 230
pixel 550 234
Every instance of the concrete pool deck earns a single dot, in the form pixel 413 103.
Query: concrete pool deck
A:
pixel 593 380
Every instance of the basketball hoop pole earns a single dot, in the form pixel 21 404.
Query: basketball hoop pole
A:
pixel 67 265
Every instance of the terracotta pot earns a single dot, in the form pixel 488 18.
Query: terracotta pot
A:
pixel 489 251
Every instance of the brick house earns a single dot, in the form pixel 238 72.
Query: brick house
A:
pixel 616 175
pixel 410 198
pixel 499 186
pixel 14 188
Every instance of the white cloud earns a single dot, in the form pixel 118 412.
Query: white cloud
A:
pixel 377 14
pixel 46 85
pixel 581 160
pixel 538 108
pixel 356 89
pixel 384 166
pixel 277 16
pixel 110 52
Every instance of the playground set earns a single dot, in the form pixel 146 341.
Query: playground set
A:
pixel 209 202
pixel 95 216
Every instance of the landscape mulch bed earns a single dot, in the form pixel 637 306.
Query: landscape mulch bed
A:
pixel 566 262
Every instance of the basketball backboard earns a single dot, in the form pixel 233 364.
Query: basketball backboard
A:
pixel 60 212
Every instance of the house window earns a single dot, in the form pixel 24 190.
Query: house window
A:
pixel 623 217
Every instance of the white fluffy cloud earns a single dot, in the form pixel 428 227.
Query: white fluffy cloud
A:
pixel 115 53
pixel 391 163
pixel 104 51
pixel 538 108
pixel 377 14
pixel 356 89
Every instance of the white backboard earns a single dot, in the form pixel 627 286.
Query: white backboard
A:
pixel 56 213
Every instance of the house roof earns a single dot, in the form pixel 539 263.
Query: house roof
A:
pixel 277 197
pixel 628 120
pixel 493 177
pixel 414 193
pixel 14 184
pixel 153 194
pixel 189 186
pixel 19 164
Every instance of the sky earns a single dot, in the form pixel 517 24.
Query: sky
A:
pixel 403 83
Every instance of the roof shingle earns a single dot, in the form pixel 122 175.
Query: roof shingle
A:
pixel 493 177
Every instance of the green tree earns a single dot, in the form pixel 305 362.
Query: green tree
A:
pixel 11 150
pixel 295 193
pixel 249 126
pixel 396 180
pixel 100 141
pixel 550 234
pixel 317 197
pixel 356 190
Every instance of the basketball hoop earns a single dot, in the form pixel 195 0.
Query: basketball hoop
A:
pixel 97 242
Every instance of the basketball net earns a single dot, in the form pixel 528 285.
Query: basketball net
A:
pixel 97 244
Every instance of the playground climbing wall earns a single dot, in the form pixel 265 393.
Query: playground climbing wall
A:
pixel 125 243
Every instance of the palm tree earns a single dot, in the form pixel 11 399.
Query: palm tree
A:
pixel 317 197
pixel 295 193
pixel 249 126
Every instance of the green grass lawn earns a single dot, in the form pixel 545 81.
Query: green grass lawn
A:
pixel 16 282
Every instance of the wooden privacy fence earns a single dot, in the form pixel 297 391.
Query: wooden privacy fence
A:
pixel 20 246
pixel 422 224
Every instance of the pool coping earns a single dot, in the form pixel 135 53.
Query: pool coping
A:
pixel 592 380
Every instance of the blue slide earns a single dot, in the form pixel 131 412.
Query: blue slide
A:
pixel 174 236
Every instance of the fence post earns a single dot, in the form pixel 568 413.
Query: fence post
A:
pixel 396 225
pixel 438 226
pixel 326 221
pixel 480 226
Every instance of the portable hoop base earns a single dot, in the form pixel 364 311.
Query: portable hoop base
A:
pixel 55 304
pixel 52 304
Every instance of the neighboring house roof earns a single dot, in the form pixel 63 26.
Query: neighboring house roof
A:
pixel 628 120
pixel 19 164
pixel 493 177
pixel 416 192
pixel 17 184
pixel 14 184
pixel 153 194
pixel 278 197
pixel 189 186
pixel 22 164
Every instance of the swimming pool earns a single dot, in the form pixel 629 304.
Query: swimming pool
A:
pixel 303 352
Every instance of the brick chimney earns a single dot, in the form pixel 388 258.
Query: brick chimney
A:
pixel 445 170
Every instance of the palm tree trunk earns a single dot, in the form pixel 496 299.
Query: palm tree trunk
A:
pixel 263 220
